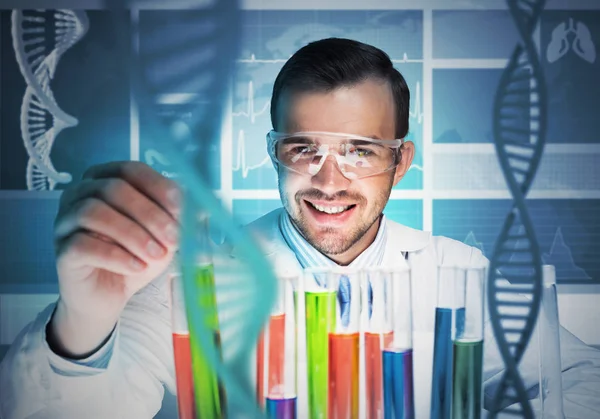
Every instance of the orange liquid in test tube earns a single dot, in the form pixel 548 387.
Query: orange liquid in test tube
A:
pixel 276 361
pixel 343 376
pixel 276 353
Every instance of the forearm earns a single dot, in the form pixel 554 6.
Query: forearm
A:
pixel 36 382
pixel 77 336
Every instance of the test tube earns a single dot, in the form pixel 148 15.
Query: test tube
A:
pixel 387 316
pixel 181 349
pixel 467 383
pixel 202 311
pixel 276 355
pixel 449 318
pixel 343 399
pixel 332 315
pixel 377 335
pixel 548 326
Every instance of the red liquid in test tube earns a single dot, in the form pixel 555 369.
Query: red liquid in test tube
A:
pixel 375 343
pixel 183 376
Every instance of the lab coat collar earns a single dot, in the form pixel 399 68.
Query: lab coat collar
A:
pixel 400 241
pixel 406 239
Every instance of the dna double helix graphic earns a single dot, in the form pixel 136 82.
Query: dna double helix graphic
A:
pixel 191 49
pixel 519 133
pixel 40 38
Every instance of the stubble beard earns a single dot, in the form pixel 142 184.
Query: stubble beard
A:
pixel 330 240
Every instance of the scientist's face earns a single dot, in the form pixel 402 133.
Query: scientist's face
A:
pixel 365 109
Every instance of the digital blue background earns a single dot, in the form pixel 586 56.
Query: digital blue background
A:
pixel 452 61
pixel 467 53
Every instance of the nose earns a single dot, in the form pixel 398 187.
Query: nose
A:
pixel 330 179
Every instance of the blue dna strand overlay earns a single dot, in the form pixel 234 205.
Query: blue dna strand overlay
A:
pixel 519 131
pixel 199 62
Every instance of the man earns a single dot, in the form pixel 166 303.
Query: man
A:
pixel 104 349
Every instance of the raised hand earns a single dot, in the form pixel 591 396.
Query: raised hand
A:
pixel 115 231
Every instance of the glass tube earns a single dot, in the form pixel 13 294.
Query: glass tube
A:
pixel 467 374
pixel 210 401
pixel 181 349
pixel 387 316
pixel 548 326
pixel 276 355
pixel 332 316
pixel 449 319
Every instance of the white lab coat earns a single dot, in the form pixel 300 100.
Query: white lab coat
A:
pixel 35 383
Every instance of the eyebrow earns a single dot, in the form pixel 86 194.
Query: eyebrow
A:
pixel 363 142
pixel 297 128
pixel 297 140
pixel 354 142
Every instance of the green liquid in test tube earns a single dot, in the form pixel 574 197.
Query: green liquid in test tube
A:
pixel 467 379
pixel 208 393
pixel 467 371
pixel 320 320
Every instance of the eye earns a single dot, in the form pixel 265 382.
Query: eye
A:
pixel 299 149
pixel 302 149
pixel 359 151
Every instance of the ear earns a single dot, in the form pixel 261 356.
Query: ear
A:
pixel 407 152
pixel 271 154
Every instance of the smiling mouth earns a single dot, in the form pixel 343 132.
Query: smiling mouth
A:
pixel 331 210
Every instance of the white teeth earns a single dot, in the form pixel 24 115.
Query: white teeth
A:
pixel 331 210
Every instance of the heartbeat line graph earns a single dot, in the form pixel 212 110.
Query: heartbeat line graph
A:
pixel 252 114
pixel 417 113
pixel 240 158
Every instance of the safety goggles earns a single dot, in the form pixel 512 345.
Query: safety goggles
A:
pixel 357 157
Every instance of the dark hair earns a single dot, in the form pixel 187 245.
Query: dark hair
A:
pixel 327 64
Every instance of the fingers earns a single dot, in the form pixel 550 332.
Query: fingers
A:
pixel 121 217
pixel 107 224
pixel 82 250
pixel 142 177
pixel 78 208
